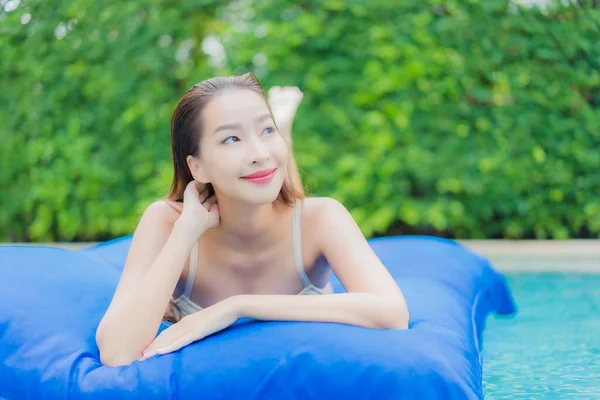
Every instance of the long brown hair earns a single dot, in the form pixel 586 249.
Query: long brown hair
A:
pixel 186 131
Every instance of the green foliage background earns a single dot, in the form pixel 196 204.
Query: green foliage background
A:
pixel 468 119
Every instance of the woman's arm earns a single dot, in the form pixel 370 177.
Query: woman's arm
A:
pixel 156 258
pixel 361 309
pixel 373 299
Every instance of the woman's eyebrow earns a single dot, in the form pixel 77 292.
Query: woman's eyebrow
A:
pixel 227 127
pixel 263 117
pixel 232 126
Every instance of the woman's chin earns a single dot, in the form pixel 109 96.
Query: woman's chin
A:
pixel 262 197
pixel 256 193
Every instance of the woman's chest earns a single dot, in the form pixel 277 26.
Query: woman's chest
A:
pixel 224 273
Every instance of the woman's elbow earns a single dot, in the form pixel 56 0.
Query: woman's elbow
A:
pixel 110 354
pixel 114 362
pixel 108 360
pixel 114 358
pixel 397 315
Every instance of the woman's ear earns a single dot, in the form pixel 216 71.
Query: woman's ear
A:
pixel 197 169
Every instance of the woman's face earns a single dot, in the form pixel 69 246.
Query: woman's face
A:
pixel 239 139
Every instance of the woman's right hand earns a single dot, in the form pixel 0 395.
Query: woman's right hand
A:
pixel 200 212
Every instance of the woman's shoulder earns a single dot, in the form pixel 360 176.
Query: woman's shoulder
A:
pixel 163 211
pixel 321 210
pixel 323 219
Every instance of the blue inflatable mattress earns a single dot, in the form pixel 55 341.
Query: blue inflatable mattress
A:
pixel 53 299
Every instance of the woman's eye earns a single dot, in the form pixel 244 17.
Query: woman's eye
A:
pixel 269 130
pixel 230 139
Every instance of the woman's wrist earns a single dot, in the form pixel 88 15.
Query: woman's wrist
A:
pixel 233 306
pixel 183 230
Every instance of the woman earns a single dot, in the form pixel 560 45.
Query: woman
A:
pixel 236 238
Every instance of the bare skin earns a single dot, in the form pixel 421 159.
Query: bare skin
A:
pixel 259 265
pixel 245 250
pixel 266 268
pixel 284 102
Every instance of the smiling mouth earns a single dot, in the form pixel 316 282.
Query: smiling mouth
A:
pixel 261 177
pixel 260 174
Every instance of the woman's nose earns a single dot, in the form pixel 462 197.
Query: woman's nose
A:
pixel 258 151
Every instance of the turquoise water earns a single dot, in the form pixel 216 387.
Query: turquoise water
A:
pixel 551 348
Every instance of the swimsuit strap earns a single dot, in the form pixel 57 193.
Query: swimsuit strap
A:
pixel 297 238
pixel 191 278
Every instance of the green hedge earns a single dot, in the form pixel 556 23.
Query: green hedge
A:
pixel 470 119
pixel 87 94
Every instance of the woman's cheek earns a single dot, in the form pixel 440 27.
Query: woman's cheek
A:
pixel 281 151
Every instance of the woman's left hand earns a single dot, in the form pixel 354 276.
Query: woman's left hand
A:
pixel 191 328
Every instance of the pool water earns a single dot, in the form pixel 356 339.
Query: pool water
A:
pixel 551 348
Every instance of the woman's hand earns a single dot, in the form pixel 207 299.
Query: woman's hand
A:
pixel 200 212
pixel 192 328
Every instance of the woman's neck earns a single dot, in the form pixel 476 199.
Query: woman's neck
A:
pixel 249 227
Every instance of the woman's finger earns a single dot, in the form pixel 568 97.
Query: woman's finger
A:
pixel 196 189
pixel 190 191
pixel 176 345
pixel 151 349
pixel 209 201
pixel 193 185
pixel 204 196
pixel 165 338
pixel 154 349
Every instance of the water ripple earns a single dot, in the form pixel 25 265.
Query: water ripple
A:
pixel 551 349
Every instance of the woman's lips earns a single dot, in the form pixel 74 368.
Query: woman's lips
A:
pixel 261 177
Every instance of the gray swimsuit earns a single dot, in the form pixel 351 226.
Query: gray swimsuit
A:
pixel 183 306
